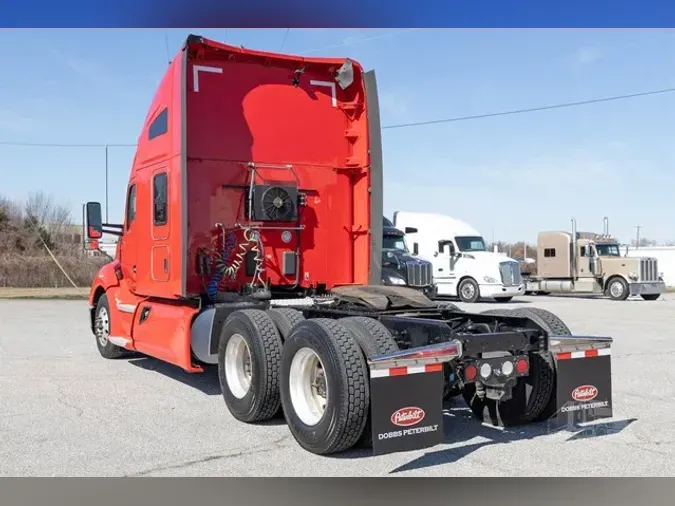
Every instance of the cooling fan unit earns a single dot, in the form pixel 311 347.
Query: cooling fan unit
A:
pixel 275 203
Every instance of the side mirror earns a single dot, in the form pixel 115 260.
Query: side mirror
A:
pixel 94 221
pixel 451 248
pixel 416 249
pixel 410 230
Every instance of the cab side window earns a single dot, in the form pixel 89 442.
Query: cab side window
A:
pixel 160 199
pixel 131 206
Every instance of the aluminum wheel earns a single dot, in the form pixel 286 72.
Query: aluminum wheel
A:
pixel 308 387
pixel 616 289
pixel 238 366
pixel 102 326
pixel 468 291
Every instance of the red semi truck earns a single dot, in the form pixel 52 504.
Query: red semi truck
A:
pixel 252 241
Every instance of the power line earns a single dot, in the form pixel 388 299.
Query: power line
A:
pixel 283 41
pixel 402 125
pixel 358 41
pixel 531 109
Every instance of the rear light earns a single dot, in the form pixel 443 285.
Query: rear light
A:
pixel 507 368
pixel 485 370
pixel 522 366
pixel 470 372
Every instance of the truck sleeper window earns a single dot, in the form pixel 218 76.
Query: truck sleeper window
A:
pixel 131 205
pixel 159 183
pixel 160 125
pixel 470 243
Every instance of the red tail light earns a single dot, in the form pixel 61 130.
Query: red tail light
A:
pixel 470 372
pixel 522 366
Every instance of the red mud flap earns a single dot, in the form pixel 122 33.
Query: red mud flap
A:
pixel 406 396
pixel 584 379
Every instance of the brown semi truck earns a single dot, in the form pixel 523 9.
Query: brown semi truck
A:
pixel 590 263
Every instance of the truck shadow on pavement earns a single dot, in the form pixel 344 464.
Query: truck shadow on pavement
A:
pixel 513 302
pixel 460 425
pixel 206 382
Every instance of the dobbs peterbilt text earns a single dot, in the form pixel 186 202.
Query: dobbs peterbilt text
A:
pixel 407 432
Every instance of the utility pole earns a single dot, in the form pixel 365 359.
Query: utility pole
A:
pixel 637 238
pixel 106 184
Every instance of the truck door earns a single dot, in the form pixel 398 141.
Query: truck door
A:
pixel 584 261
pixel 159 249
pixel 444 262
pixel 128 242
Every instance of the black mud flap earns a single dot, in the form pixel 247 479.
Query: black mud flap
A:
pixel 584 387
pixel 406 408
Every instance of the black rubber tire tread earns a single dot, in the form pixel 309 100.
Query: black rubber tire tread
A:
pixel 265 346
pixel 503 299
pixel 650 296
pixel 542 402
pixel 498 312
pixel 548 320
pixel 626 290
pixel 554 326
pixel 450 306
pixel 476 298
pixel 110 351
pixel 374 339
pixel 347 426
pixel 285 318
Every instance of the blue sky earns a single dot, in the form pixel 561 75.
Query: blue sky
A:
pixel 515 174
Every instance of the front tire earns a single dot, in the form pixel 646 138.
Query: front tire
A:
pixel 468 291
pixel 503 299
pixel 102 331
pixel 617 289
pixel 324 386
pixel 249 362
pixel 650 296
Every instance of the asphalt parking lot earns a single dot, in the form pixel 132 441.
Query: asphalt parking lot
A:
pixel 65 411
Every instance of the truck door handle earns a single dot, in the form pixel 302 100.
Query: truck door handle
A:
pixel 133 269
pixel 166 265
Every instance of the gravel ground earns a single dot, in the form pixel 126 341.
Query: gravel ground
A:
pixel 68 412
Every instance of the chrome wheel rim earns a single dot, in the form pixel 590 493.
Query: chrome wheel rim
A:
pixel 616 289
pixel 468 291
pixel 238 366
pixel 103 326
pixel 308 386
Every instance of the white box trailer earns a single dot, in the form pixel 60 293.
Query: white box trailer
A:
pixel 462 265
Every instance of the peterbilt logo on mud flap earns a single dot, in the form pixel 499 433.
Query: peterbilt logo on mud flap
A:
pixel 406 417
pixel 584 393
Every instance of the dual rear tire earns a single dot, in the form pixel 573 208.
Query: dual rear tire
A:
pixel 314 370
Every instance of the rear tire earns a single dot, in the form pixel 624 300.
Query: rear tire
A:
pixel 534 396
pixel 468 291
pixel 285 318
pixel 249 362
pixel 102 322
pixel 335 422
pixel 374 339
pixel 449 306
pixel 650 296
pixel 617 289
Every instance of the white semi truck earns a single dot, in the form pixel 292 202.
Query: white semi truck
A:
pixel 462 265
